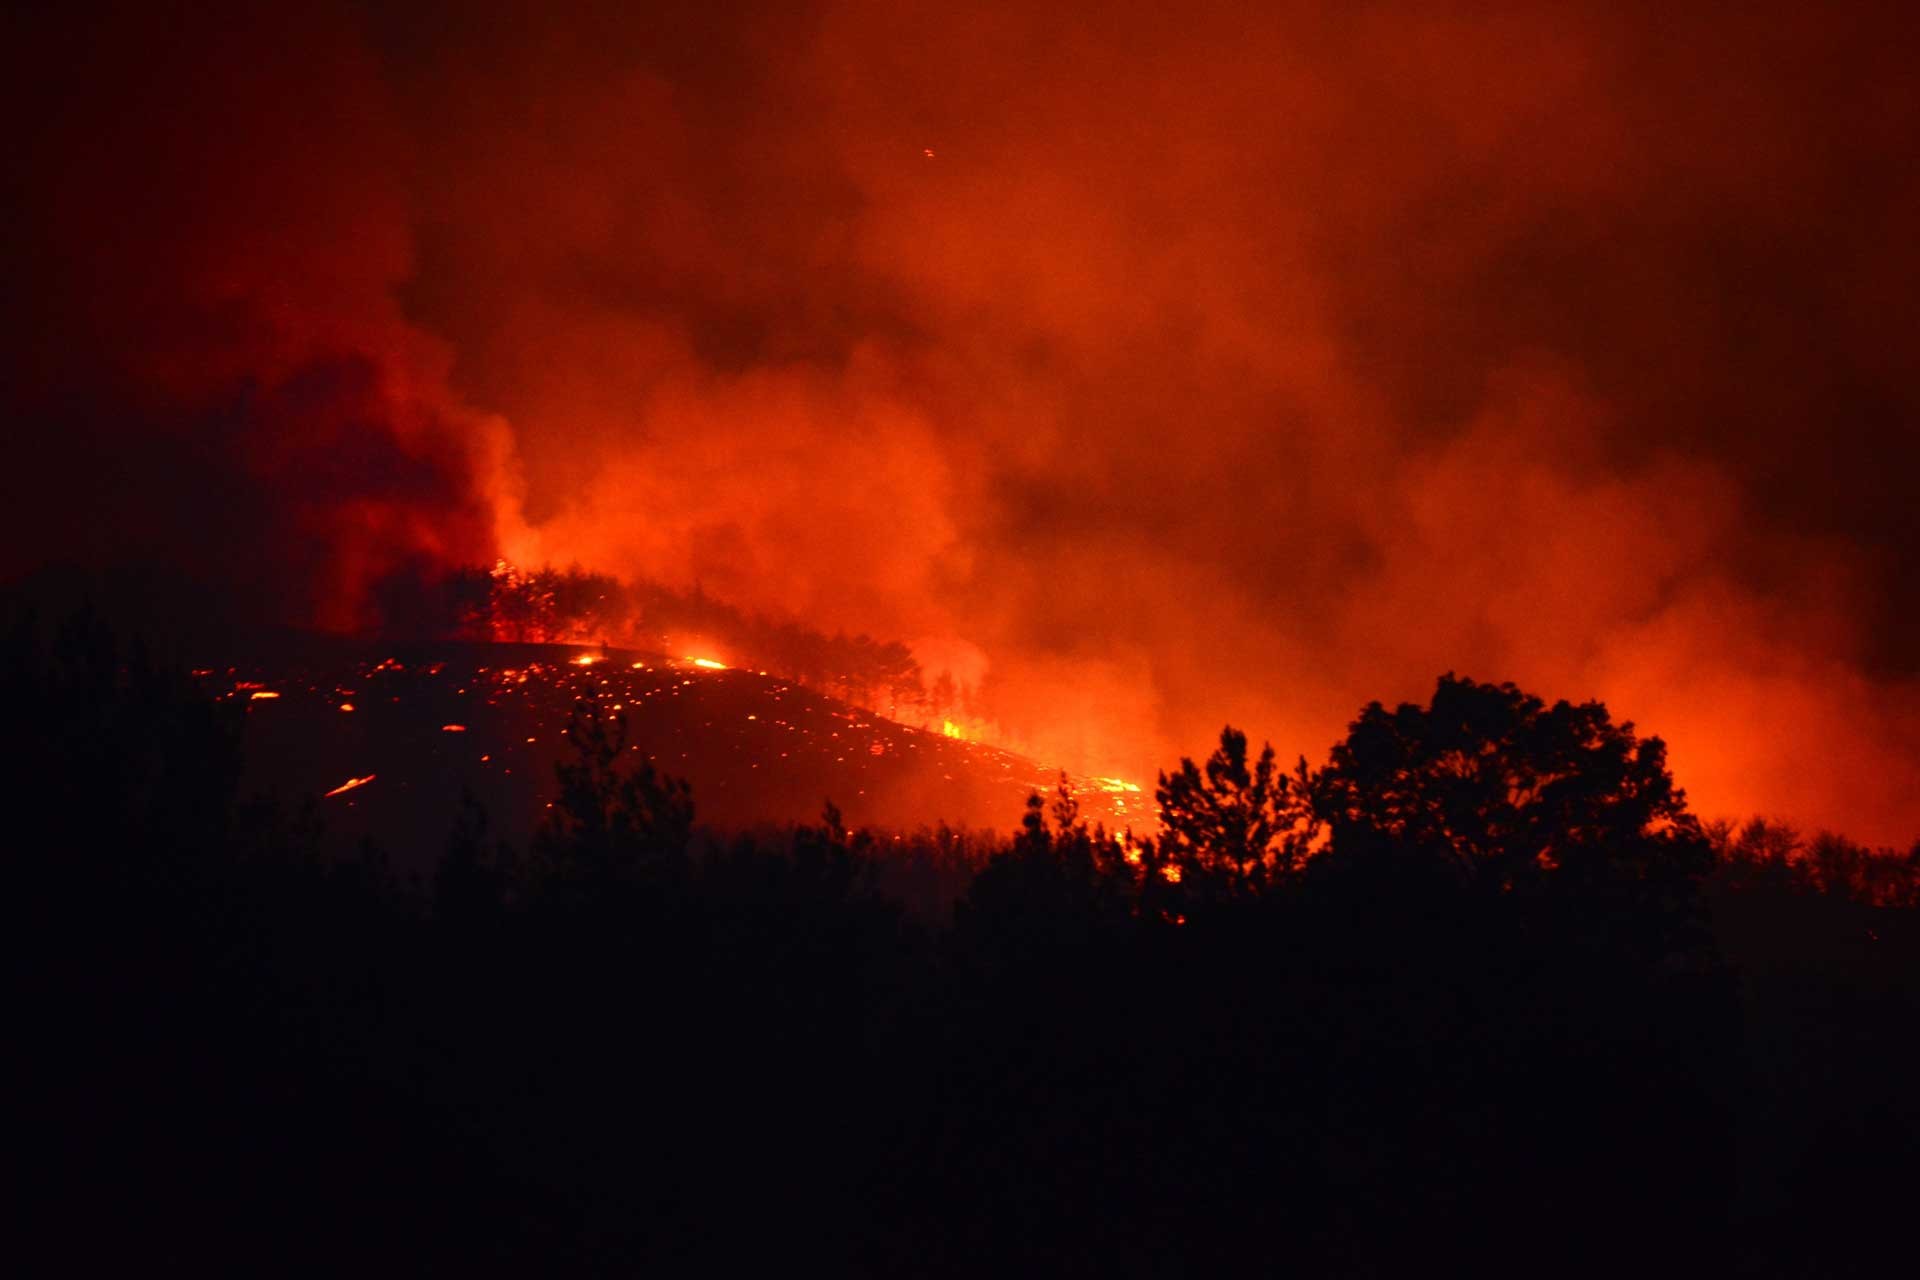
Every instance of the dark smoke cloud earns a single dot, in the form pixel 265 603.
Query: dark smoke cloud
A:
pixel 211 369
pixel 1170 364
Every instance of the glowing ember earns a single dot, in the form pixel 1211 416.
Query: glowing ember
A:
pixel 708 663
pixel 262 693
pixel 586 660
pixel 349 785
pixel 346 706
pixel 460 728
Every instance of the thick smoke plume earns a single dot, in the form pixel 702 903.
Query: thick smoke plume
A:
pixel 1181 364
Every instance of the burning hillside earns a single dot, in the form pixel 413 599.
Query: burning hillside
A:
pixel 389 742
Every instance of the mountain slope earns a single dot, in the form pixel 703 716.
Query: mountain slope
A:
pixel 386 742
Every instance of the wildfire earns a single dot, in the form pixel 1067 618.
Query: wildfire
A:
pixel 781 726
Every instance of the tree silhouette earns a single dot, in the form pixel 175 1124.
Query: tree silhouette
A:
pixel 1234 831
pixel 1494 790
pixel 612 829
pixel 1058 885
pixel 473 881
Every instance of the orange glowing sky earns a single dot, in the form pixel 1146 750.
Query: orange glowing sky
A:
pixel 1160 365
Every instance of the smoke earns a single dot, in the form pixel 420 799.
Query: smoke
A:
pixel 1175 367
pixel 212 370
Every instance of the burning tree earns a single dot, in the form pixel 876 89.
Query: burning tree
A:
pixel 505 604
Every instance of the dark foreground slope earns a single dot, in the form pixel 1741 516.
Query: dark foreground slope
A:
pixel 614 1057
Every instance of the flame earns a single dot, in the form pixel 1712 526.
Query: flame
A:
pixel 708 663
pixel 949 729
pixel 349 785
pixel 586 660
pixel 1117 784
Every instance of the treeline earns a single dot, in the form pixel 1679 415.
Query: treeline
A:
pixel 574 606
pixel 1774 854
pixel 1461 997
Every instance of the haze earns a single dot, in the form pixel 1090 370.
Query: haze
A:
pixel 1153 366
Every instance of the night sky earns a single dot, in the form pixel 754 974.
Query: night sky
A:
pixel 1151 366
